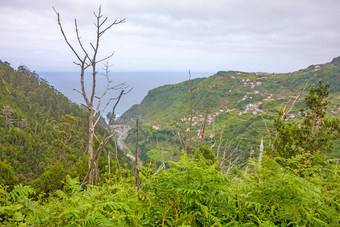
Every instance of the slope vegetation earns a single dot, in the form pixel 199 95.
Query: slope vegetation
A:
pixel 243 104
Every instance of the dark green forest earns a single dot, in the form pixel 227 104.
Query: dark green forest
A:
pixel 43 134
pixel 292 182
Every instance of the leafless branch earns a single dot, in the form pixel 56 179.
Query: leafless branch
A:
pixel 220 143
pixel 104 93
pixel 113 23
pixel 261 151
pixel 77 91
pixel 64 35
pixel 117 153
pixel 296 99
pixel 265 123
pixel 188 138
pixel 106 58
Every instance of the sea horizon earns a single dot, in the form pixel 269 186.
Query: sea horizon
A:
pixel 141 82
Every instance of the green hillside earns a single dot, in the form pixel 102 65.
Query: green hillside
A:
pixel 245 104
pixel 42 134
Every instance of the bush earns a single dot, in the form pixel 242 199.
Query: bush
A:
pixel 7 175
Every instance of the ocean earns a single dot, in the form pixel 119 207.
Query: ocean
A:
pixel 140 82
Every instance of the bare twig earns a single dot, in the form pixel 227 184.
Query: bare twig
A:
pixel 136 155
pixel 296 99
pixel 187 145
pixel 220 143
pixel 261 151
pixel 204 123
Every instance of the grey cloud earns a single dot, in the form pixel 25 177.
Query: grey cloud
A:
pixel 208 35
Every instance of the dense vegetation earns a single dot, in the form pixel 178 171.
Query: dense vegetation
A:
pixel 190 193
pixel 42 134
pixel 293 182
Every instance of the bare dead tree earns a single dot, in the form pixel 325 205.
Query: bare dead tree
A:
pixel 188 138
pixel 230 155
pixel 88 60
pixel 136 155
pixel 261 151
pixel 204 124
pixel 7 113
pixel 117 160
pixel 284 112
pixel 267 129
pixel 220 143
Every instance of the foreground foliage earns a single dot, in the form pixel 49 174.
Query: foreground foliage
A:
pixel 190 193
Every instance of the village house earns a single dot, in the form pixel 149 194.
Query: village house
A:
pixel 291 115
pixel 317 67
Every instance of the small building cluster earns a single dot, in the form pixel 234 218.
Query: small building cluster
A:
pixel 317 67
pixel 269 98
pixel 252 108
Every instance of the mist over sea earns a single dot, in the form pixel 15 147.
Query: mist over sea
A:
pixel 141 82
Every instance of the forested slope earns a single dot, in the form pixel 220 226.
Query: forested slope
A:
pixel 41 130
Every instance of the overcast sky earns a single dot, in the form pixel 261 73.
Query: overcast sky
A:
pixel 173 35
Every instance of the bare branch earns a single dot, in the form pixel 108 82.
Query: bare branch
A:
pixel 261 151
pixel 136 156
pixel 82 83
pixel 117 154
pixel 77 91
pixel 296 99
pixel 103 22
pixel 104 59
pixel 114 23
pixel 105 91
pixel 78 38
pixel 265 123
pixel 94 49
pixel 220 142
pixel 126 92
pixel 64 35
pixel 119 86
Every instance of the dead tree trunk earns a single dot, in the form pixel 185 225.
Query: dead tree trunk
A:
pixel 88 60
pixel 7 112
pixel 136 155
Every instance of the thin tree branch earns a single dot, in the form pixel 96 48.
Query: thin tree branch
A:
pixel 64 35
